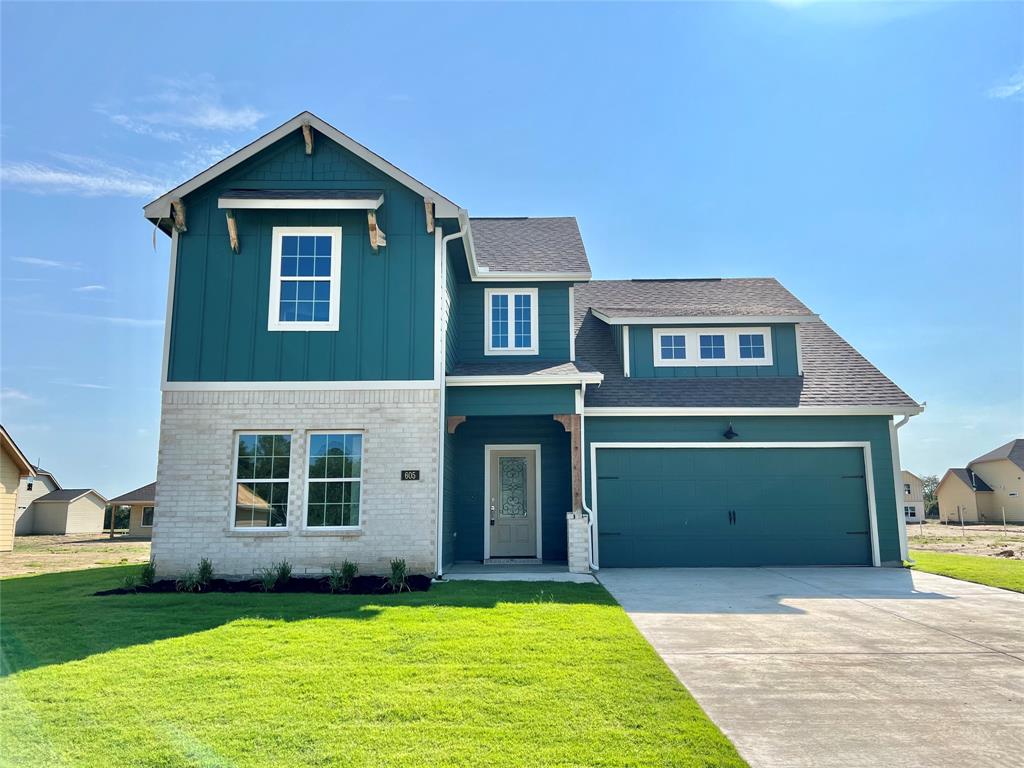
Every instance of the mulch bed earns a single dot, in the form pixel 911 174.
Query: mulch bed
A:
pixel 361 585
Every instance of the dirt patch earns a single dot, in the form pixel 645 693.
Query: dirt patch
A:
pixel 54 554
pixel 986 540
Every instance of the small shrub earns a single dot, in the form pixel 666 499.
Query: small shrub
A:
pixel 340 579
pixel 129 582
pixel 284 572
pixel 148 574
pixel 189 581
pixel 398 580
pixel 267 578
pixel 205 572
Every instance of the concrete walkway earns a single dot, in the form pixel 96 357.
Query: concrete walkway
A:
pixel 841 667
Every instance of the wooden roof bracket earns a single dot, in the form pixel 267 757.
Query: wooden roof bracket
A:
pixel 178 214
pixel 232 230
pixel 307 134
pixel 428 209
pixel 377 237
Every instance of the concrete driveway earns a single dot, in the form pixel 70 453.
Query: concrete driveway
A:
pixel 841 666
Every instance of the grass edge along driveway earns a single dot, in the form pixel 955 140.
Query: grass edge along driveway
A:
pixel 991 571
pixel 469 673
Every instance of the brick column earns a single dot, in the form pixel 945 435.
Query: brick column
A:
pixel 578 532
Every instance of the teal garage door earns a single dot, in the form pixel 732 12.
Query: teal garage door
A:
pixel 685 507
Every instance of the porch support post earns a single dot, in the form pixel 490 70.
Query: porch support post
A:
pixel 578 525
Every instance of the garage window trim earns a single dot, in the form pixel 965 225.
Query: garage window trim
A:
pixel 703 347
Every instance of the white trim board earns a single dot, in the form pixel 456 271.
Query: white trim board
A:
pixel 370 202
pixel 161 207
pixel 697 320
pixel 805 410
pixel 524 380
pixel 865 446
pixel 490 448
pixel 292 386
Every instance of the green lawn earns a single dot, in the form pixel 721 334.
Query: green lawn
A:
pixel 470 673
pixel 993 571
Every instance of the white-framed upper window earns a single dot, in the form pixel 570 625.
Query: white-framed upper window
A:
pixel 305 279
pixel 906 488
pixel 147 517
pixel 262 471
pixel 334 479
pixel 510 325
pixel 712 346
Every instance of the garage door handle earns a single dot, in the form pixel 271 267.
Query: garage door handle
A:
pixel 856 533
pixel 609 533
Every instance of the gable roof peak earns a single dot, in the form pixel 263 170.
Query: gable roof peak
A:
pixel 1013 450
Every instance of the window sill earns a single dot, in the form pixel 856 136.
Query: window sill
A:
pixel 256 532
pixel 343 532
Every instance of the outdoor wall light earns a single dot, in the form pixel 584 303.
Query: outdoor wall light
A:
pixel 730 433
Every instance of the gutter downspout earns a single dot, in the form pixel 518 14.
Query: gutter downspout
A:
pixel 442 421
pixel 894 445
pixel 583 471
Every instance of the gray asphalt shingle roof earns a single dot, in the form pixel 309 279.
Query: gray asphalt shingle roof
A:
pixel 529 245
pixel 67 494
pixel 971 479
pixel 834 373
pixel 1013 450
pixel 142 494
pixel 712 297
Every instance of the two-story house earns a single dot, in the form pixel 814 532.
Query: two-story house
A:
pixel 355 368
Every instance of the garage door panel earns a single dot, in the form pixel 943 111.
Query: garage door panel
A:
pixel 671 507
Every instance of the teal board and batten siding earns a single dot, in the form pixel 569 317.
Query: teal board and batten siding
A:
pixel 552 318
pixel 773 429
pixel 511 400
pixel 220 302
pixel 464 484
pixel 641 357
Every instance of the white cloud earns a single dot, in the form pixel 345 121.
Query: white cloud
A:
pixel 97 181
pixel 1013 87
pixel 80 384
pixel 90 288
pixel 177 105
pixel 50 263
pixel 15 394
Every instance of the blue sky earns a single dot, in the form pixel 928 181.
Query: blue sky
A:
pixel 869 156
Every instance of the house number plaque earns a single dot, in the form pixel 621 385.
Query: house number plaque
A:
pixel 410 474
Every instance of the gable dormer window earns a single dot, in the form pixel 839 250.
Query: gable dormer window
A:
pixel 305 279
pixel 712 346
pixel 511 321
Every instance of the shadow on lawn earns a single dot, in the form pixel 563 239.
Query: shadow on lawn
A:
pixel 54 618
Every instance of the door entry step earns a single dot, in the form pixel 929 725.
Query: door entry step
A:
pixel 513 561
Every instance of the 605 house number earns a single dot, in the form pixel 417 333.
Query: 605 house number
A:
pixel 410 474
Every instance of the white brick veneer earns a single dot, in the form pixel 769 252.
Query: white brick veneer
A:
pixel 578 536
pixel 195 475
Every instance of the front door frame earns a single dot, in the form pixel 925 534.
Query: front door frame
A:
pixel 488 449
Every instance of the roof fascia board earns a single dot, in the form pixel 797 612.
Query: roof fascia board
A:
pixel 354 204
pixel 15 451
pixel 842 410
pixel 161 207
pixel 689 320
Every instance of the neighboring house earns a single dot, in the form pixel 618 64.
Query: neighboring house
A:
pixel 913 497
pixel 13 467
pixel 986 489
pixel 30 489
pixel 141 504
pixel 69 510
pixel 459 389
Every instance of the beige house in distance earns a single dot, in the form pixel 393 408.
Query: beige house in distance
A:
pixel 30 489
pixel 912 497
pixel 986 488
pixel 142 502
pixel 13 467
pixel 68 511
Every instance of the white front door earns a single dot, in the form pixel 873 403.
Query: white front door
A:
pixel 512 512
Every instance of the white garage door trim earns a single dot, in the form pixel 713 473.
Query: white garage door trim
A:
pixel 863 445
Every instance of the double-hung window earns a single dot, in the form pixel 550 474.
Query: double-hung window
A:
pixel 736 346
pixel 511 321
pixel 305 279
pixel 262 469
pixel 334 479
